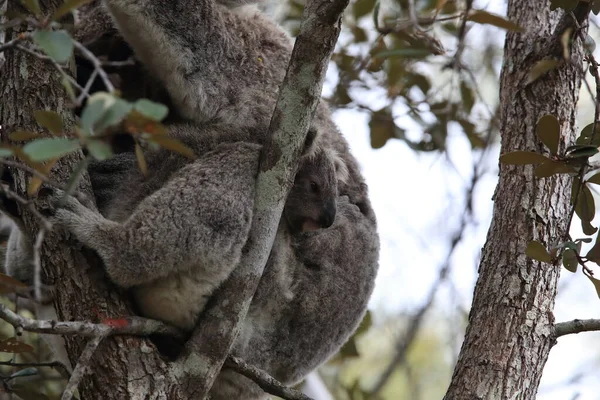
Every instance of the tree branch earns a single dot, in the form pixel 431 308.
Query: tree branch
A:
pixel 576 326
pixel 264 380
pixel 82 367
pixel 298 98
pixel 129 326
pixel 137 326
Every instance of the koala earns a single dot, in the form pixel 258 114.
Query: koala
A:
pixel 173 240
pixel 219 67
pixel 314 270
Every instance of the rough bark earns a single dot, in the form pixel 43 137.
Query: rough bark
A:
pixel 122 365
pixel 510 326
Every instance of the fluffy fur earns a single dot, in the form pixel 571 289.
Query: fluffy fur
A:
pixel 184 226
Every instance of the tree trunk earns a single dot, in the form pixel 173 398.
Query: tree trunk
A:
pixel 122 366
pixel 509 334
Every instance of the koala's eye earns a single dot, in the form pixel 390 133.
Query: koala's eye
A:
pixel 314 187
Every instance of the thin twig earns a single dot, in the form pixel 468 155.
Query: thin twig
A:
pixel 86 90
pixel 264 380
pixel 96 63
pixel 64 371
pixel 6 191
pixel 81 368
pixel 576 326
pixel 24 167
pixel 37 265
pixel 137 326
pixel 13 43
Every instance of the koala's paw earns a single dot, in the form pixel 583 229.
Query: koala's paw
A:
pixel 57 205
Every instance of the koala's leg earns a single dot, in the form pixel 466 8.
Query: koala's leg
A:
pixel 208 57
pixel 18 261
pixel 106 177
pixel 198 221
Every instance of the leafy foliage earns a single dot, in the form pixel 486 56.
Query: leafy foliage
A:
pixel 573 161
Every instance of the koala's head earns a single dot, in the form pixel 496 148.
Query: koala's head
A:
pixel 311 204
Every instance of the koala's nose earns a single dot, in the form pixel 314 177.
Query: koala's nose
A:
pixel 328 215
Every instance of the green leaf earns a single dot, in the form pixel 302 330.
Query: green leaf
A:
pixel 588 228
pixel 349 350
pixel 150 109
pixel 103 110
pixel 360 8
pixel 382 128
pixel 540 68
pixel 466 93
pixel 31 371
pixel 585 207
pixel 67 7
pixel 68 88
pixel 139 154
pixel 74 179
pixel 4 152
pixel 585 137
pixel 583 152
pixel 596 7
pixel 405 52
pixel 569 260
pixel 523 158
pixel 596 284
pixel 567 5
pixel 550 168
pixel 595 179
pixel 49 120
pixel 376 14
pixel 538 252
pixel 99 149
pixel 548 130
pixel 49 148
pixel 484 17
pixel 360 35
pixel 590 43
pixel 57 44
pixel 22 136
pixel 9 284
pixel 594 253
pixel 365 324
pixel 12 345
pixel 33 6
pixel 173 145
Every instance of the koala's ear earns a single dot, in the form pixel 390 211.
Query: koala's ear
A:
pixel 341 169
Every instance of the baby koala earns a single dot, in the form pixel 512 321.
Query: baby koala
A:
pixel 174 246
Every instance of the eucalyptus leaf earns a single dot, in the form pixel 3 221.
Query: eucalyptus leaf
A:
pixel 484 17
pixel 548 130
pixel 537 251
pixel 58 45
pixel 49 148
pixel 569 260
pixel 540 68
pixel 523 158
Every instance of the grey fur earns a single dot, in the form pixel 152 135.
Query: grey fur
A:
pixel 175 238
pixel 185 226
